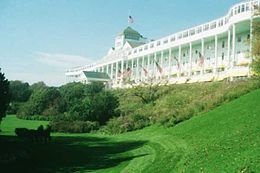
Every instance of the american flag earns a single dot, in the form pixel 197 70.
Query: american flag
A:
pixel 130 20
pixel 201 60
pixel 127 72
pixel 159 68
pixel 178 63
pixel 119 73
pixel 145 71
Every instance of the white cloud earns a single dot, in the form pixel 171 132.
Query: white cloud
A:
pixel 46 67
pixel 62 60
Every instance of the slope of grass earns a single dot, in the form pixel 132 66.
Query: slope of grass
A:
pixel 226 139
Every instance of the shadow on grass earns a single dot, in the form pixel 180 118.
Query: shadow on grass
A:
pixel 64 154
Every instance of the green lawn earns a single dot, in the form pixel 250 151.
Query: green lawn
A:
pixel 226 139
pixel 10 122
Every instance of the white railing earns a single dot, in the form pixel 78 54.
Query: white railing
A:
pixel 243 7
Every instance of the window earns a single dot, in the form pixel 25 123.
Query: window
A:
pixel 220 23
pixel 213 25
pixel 165 41
pixel 146 47
pixel 129 53
pixel 206 27
pixel 247 7
pixel 135 51
pixel 243 8
pixel 223 44
pixel 158 43
pixel 192 32
pixel 141 49
pixel 179 36
pixel 235 10
pixel 185 34
pixel 199 29
pixel 223 56
pixel 172 39
pixel 196 51
pixel 184 55
pixel 151 45
pixel 239 9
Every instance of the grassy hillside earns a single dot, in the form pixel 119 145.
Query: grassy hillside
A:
pixel 223 140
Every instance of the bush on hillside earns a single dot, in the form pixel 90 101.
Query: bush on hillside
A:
pixel 74 126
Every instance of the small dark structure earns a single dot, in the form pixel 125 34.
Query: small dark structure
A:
pixel 39 135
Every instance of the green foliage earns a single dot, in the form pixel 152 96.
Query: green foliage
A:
pixel 174 104
pixel 4 95
pixel 45 101
pixel 74 126
pixel 14 107
pixel 96 107
pixel 20 91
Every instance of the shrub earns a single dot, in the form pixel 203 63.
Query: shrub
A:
pixel 74 126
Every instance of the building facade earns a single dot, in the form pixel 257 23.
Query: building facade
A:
pixel 216 50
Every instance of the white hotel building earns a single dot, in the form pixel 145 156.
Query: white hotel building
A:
pixel 217 50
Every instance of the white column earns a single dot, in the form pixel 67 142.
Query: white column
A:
pixel 117 70
pixel 137 70
pixel 216 54
pixel 154 66
pixel 111 72
pixel 179 59
pixel 132 68
pixel 251 39
pixel 190 59
pixel 122 71
pixel 228 49
pixel 169 63
pixel 202 54
pixel 233 47
pixel 142 71
pixel 148 65
pixel 107 68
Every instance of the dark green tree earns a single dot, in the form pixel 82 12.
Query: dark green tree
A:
pixel 45 101
pixel 4 95
pixel 20 91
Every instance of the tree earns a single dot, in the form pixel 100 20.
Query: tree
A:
pixel 45 101
pixel 256 42
pixel 148 91
pixel 4 95
pixel 20 91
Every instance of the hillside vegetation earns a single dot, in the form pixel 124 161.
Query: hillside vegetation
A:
pixel 76 107
pixel 225 139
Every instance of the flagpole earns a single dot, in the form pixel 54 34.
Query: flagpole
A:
pixel 128 23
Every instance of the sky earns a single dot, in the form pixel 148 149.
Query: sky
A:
pixel 40 39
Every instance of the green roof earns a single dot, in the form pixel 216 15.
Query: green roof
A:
pixel 97 75
pixel 134 44
pixel 130 33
